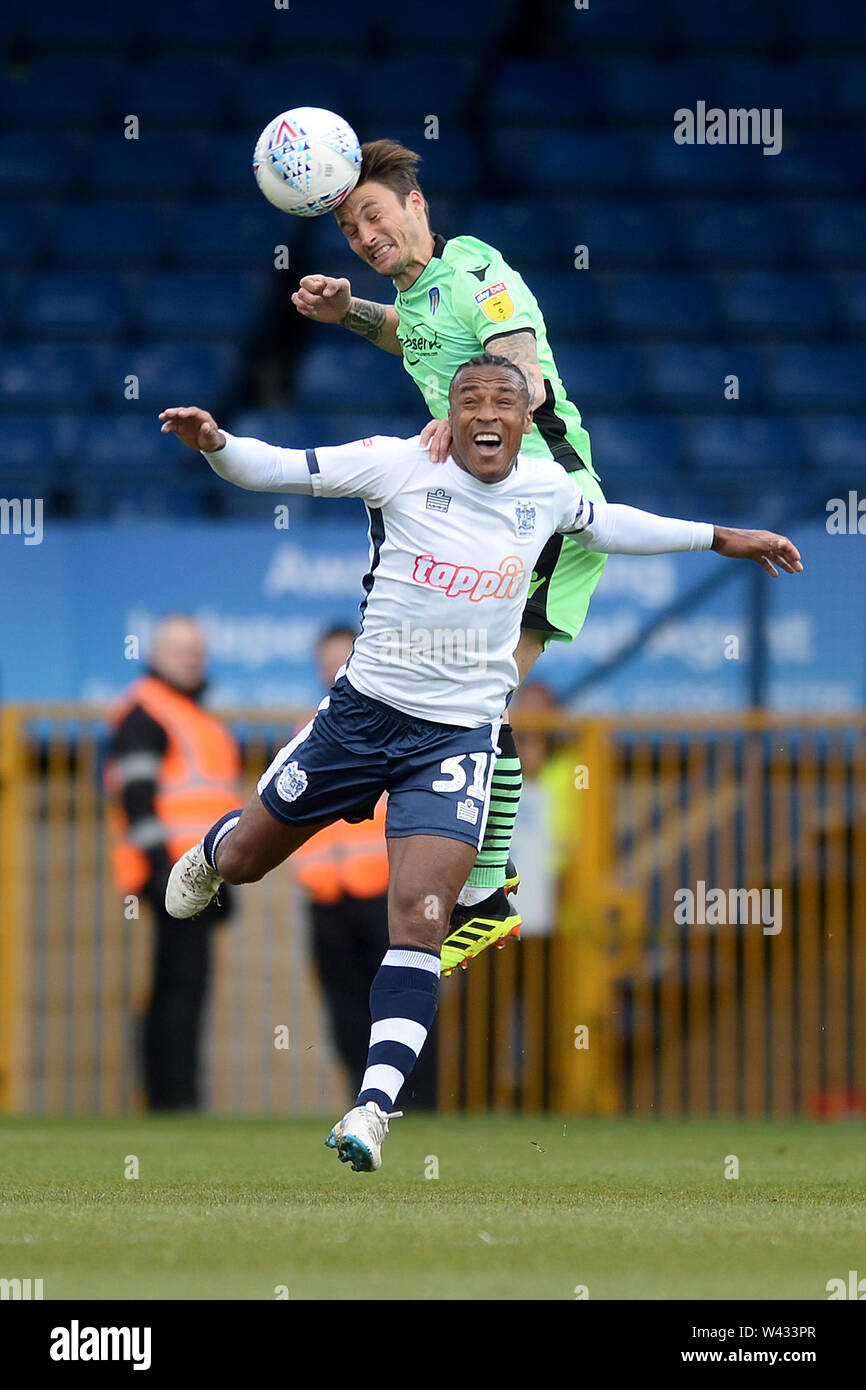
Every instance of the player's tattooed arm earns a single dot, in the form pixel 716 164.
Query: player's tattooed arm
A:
pixel 522 349
pixel 378 322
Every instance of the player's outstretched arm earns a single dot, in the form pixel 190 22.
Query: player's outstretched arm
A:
pixel 614 529
pixel 248 463
pixel 326 300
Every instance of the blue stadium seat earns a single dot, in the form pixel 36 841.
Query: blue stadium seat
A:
pixel 835 444
pixel 771 303
pixel 200 303
pixel 176 90
pixel 835 232
pixel 649 90
pixel 738 26
pixel 126 236
pixel 37 168
pixel 660 305
pixel 527 233
pixel 626 447
pixel 837 28
pixel 22 235
pixel 455 28
pixel 122 442
pixel 569 301
pixel 304 30
pixel 694 375
pixel 47 376
pixel 744 445
pixel 169 374
pixel 158 165
pixel 449 165
pixel 673 168
pixel 547 92
pixel 354 377
pixel 57 93
pixel 563 162
pixel 226 166
pixel 205 26
pixel 30 442
pixel 617 24
pixel 817 375
pixel 394 90
pixel 736 234
pixel 261 91
pixel 832 161
pixel 799 88
pixel 599 376
pixel 620 234
pixel 76 304
pixel 847 84
pixel 237 235
pixel 852 294
pixel 54 26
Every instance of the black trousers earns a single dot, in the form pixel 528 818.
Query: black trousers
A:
pixel 172 1024
pixel 349 939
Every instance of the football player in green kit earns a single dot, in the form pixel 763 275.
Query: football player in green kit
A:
pixel 455 298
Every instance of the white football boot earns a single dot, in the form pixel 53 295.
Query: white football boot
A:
pixel 359 1136
pixel 191 884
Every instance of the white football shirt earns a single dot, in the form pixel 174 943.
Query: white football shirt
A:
pixel 451 560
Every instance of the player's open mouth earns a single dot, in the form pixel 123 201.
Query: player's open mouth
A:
pixel 382 251
pixel 487 443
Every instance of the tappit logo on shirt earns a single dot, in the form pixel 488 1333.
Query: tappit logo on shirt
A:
pixel 467 581
pixel 495 302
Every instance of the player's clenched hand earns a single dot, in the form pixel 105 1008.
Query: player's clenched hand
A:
pixel 323 298
pixel 194 427
pixel 437 433
pixel 766 548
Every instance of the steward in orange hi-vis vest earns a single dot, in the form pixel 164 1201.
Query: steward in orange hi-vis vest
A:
pixel 346 859
pixel 196 776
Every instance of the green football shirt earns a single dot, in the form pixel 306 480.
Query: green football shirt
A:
pixel 466 295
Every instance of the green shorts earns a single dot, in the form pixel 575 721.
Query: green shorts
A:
pixel 564 580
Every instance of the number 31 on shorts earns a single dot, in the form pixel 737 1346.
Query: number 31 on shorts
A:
pixel 456 779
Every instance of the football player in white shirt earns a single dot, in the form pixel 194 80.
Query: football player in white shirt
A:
pixel 452 549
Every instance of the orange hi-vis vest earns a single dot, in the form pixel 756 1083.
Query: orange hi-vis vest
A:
pixel 345 860
pixel 198 779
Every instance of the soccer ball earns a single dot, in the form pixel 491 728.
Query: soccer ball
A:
pixel 307 160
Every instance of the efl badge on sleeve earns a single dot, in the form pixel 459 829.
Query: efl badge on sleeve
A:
pixel 495 301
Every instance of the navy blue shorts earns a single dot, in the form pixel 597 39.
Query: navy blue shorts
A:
pixel 437 776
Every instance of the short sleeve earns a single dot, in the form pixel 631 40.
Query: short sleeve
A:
pixel 373 469
pixel 494 304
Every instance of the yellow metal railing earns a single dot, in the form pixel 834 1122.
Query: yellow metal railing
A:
pixel 622 1009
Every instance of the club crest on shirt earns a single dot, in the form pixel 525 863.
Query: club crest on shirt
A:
pixel 495 302
pixel 433 295
pixel 291 782
pixel 524 516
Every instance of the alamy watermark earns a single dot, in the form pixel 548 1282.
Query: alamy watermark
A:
pixel 736 126
pixel 22 516
pixel 717 907
pixel 409 645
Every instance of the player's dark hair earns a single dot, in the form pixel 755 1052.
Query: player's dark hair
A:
pixel 492 359
pixel 390 163
pixel 337 630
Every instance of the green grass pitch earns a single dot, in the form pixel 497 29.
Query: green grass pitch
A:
pixel 523 1208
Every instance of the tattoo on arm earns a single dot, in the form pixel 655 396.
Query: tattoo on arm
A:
pixel 521 348
pixel 365 318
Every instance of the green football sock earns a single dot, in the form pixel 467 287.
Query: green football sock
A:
pixel 489 868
